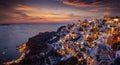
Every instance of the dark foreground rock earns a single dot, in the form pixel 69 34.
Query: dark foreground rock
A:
pixel 39 52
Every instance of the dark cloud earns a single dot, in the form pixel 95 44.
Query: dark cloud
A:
pixel 92 2
pixel 9 5
pixel 112 6
pixel 83 2
pixel 8 8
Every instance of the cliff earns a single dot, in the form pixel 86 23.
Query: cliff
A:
pixel 83 43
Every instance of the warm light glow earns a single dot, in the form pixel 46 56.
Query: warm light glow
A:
pixel 61 52
pixel 116 19
pixel 22 50
pixel 54 16
pixel 112 30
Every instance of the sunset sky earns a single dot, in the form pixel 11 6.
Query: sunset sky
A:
pixel 40 11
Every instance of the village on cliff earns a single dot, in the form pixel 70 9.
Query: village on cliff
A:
pixel 91 42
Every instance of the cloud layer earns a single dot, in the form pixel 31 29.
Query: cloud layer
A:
pixel 52 10
pixel 12 9
pixel 112 6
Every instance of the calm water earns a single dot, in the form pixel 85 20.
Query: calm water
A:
pixel 14 35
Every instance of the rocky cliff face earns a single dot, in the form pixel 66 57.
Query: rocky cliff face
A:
pixel 37 51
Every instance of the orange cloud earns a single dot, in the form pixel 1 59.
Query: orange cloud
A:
pixel 75 4
pixel 23 8
pixel 82 3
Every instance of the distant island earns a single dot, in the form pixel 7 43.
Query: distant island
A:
pixel 88 42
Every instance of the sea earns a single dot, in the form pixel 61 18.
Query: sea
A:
pixel 12 35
